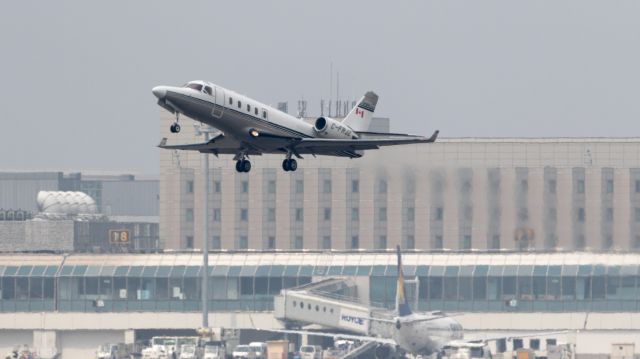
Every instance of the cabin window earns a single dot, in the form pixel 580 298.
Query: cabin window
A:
pixel 239 104
pixel 230 100
pixel 264 114
pixel 255 110
pixel 208 90
pixel 248 108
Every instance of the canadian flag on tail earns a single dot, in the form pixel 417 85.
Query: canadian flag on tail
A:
pixel 360 116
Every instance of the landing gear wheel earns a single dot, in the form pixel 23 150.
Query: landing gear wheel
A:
pixel 246 166
pixel 175 128
pixel 243 166
pixel 289 164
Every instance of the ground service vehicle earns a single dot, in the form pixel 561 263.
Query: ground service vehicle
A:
pixel 243 352
pixel 310 352
pixel 112 351
pixel 259 349
pixel 214 352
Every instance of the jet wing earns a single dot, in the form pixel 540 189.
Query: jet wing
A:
pixel 347 148
pixel 362 338
pixel 219 144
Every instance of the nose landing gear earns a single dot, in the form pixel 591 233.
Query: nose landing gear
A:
pixel 175 127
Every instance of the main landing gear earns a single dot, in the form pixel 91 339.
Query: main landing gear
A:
pixel 243 165
pixel 289 164
pixel 175 127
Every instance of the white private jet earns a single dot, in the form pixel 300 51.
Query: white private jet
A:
pixel 248 127
pixel 422 333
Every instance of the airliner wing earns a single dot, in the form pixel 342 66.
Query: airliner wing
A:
pixel 481 339
pixel 369 141
pixel 362 338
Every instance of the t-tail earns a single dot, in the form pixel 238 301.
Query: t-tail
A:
pixel 402 306
pixel 360 116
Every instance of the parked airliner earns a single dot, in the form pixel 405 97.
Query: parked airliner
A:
pixel 248 127
pixel 406 331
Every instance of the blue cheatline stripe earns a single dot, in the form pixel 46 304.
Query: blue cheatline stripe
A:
pixel 251 117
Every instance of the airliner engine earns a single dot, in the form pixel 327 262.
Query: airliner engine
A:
pixel 327 127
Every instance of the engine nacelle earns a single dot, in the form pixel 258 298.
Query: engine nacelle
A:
pixel 326 127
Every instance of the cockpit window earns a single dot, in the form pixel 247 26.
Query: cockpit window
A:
pixel 197 87
pixel 208 90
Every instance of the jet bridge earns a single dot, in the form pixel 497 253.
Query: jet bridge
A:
pixel 330 303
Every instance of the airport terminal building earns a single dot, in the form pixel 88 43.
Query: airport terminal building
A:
pixel 65 300
pixel 460 194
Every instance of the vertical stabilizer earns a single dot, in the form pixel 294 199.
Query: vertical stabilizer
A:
pixel 360 116
pixel 402 307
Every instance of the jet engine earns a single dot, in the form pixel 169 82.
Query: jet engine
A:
pixel 326 127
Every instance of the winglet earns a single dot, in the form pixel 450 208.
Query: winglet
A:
pixel 402 307
pixel 163 142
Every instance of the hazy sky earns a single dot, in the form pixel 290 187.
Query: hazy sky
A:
pixel 76 76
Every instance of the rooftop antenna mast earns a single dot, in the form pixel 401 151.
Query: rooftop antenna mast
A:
pixel 330 87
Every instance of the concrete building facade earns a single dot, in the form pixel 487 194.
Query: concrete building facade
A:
pixel 467 193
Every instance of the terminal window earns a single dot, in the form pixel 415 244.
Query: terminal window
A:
pixel 609 186
pixel 299 186
pixel 243 242
pixel 609 214
pixel 355 242
pixel 382 214
pixel 189 186
pixel 271 215
pixel 216 186
pixel 216 215
pixel 439 214
pixel 244 214
pixel 271 186
pixel 326 242
pixel 410 214
pixel 299 214
pixel 189 214
pixel 245 186
pixel 326 186
pixel 382 186
pixel 271 243
pixel 327 214
pixel 355 214
pixel 355 186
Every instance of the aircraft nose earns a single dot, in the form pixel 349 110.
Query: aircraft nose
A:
pixel 160 91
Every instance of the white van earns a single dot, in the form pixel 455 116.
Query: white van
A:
pixel 310 352
pixel 259 349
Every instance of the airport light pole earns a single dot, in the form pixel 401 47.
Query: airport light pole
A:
pixel 205 130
